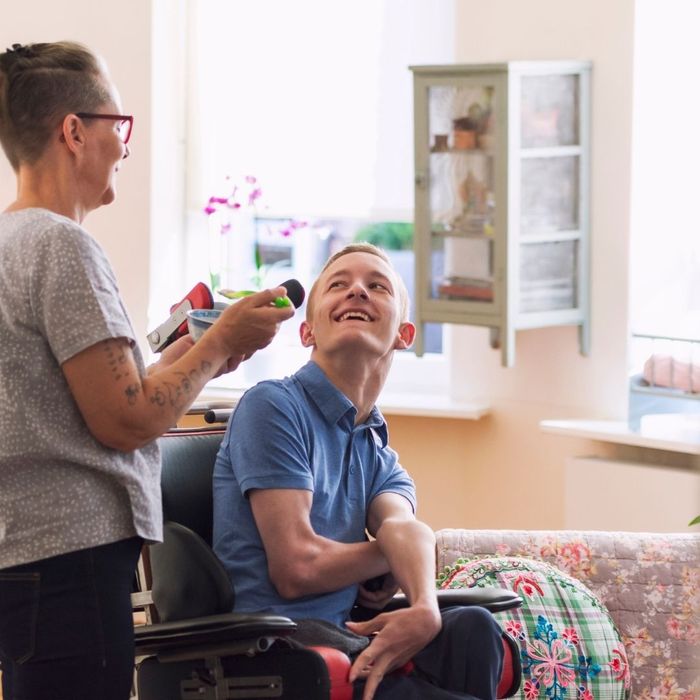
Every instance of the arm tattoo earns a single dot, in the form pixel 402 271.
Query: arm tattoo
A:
pixel 172 393
pixel 116 359
pixel 132 392
pixel 185 383
pixel 169 393
pixel 158 397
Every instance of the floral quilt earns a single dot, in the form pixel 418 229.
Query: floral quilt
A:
pixel 569 645
pixel 648 582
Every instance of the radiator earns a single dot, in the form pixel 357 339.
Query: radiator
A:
pixel 602 494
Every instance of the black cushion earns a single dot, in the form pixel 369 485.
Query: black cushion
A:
pixel 189 581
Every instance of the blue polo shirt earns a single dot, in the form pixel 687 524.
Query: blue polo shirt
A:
pixel 299 433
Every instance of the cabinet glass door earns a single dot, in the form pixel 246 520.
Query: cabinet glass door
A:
pixel 550 192
pixel 549 112
pixel 549 200
pixel 462 141
pixel 548 279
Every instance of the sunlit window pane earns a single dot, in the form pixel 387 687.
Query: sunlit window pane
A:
pixel 314 100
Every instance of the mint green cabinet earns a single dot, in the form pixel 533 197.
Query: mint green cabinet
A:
pixel 502 163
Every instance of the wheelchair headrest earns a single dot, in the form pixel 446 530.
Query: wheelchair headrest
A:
pixel 186 479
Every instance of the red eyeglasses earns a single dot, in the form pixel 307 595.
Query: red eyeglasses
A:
pixel 126 122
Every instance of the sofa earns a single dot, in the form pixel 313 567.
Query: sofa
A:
pixel 649 583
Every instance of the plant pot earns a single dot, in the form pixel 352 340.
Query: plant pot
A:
pixel 464 140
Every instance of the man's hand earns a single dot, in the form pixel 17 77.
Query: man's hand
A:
pixel 376 598
pixel 398 637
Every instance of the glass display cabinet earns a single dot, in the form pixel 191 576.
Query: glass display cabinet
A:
pixel 501 197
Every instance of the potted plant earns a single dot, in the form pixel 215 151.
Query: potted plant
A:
pixel 388 235
pixel 235 250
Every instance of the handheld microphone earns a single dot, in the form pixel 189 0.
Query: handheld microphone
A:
pixel 295 292
pixel 200 297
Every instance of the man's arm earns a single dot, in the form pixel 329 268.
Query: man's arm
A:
pixel 409 547
pixel 301 562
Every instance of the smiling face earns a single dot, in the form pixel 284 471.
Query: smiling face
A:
pixel 356 306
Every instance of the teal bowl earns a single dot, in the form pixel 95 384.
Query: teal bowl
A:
pixel 200 320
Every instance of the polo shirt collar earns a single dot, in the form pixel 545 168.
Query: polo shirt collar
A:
pixel 334 405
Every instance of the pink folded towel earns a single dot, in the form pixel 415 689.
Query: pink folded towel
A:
pixel 669 371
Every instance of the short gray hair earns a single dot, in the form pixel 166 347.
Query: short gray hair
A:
pixel 39 85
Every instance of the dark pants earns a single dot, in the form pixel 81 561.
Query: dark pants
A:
pixel 66 628
pixel 463 661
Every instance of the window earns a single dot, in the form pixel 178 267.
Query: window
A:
pixel 314 100
pixel 665 240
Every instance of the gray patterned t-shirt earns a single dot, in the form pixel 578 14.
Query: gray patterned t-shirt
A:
pixel 60 489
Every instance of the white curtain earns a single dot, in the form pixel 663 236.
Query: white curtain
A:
pixel 313 97
pixel 665 240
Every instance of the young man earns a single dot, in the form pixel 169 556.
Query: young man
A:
pixel 304 470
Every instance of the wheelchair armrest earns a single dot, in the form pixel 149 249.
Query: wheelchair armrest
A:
pixel 230 632
pixel 493 599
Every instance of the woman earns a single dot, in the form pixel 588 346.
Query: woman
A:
pixel 79 413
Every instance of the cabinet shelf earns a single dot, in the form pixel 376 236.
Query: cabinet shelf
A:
pixel 501 233
pixel 461 234
pixel 549 237
pixel 463 152
pixel 552 152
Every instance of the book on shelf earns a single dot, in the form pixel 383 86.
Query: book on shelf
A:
pixel 466 288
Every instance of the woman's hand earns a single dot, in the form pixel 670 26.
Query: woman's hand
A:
pixel 228 366
pixel 171 354
pixel 250 324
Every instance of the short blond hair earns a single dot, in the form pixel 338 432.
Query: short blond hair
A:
pixel 371 249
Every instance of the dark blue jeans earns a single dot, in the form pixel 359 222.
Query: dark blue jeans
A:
pixel 464 661
pixel 66 628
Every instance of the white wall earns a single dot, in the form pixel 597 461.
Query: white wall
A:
pixel 502 471
pixel 121 34
pixel 618 507
pixel 549 368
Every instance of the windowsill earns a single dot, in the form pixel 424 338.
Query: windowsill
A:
pixel 431 406
pixel 415 386
pixel 390 404
pixel 672 432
